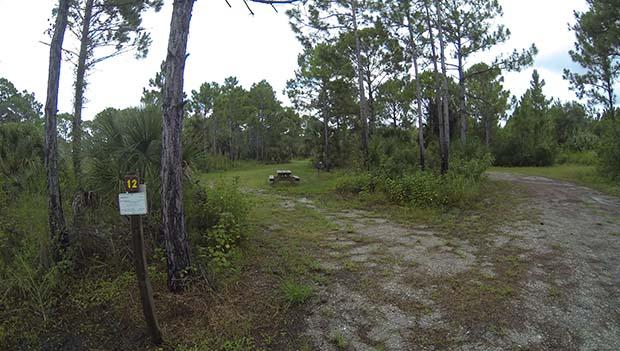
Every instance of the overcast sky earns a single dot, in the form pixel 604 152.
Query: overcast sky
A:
pixel 229 42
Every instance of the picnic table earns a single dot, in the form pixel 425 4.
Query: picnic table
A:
pixel 283 175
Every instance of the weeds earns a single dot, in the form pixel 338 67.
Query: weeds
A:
pixel 339 341
pixel 295 293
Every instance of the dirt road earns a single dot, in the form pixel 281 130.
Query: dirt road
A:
pixel 549 281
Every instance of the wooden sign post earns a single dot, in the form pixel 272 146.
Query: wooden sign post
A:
pixel 133 203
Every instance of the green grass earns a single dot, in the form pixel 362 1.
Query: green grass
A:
pixel 295 293
pixel 256 177
pixel 578 174
pixel 339 341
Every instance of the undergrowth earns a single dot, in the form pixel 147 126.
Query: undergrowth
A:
pixel 421 189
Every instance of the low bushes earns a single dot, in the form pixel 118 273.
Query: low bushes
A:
pixel 217 219
pixel 609 153
pixel 422 189
pixel 513 153
pixel 586 158
pixel 356 183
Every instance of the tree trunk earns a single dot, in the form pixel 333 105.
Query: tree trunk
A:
pixel 420 115
pixel 60 239
pixel 326 156
pixel 462 101
pixel 395 119
pixel 438 95
pixel 487 131
pixel 610 94
pixel 79 94
pixel 445 148
pixel 418 90
pixel 173 219
pixel 360 85
pixel 370 106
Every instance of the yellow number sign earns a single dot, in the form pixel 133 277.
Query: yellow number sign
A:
pixel 132 184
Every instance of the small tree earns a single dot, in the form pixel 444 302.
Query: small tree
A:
pixel 529 140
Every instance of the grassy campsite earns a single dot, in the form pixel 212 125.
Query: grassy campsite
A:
pixel 326 175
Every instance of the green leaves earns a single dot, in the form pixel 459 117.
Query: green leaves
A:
pixel 17 106
pixel 126 141
pixel 597 50
pixel 21 154
pixel 529 139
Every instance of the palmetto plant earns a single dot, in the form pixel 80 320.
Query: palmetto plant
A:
pixel 125 141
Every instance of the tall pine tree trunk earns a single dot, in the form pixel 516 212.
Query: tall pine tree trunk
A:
pixel 360 84
pixel 79 94
pixel 173 218
pixel 418 98
pixel 325 113
pixel 438 94
pixel 462 101
pixel 487 131
pixel 445 147
pixel 610 96
pixel 60 239
pixel 418 89
pixel 370 106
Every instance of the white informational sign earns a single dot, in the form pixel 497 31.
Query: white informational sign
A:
pixel 133 204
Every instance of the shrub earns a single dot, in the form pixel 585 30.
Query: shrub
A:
pixel 423 189
pixel 609 153
pixel 125 141
pixel 513 153
pixel 587 158
pixel 472 168
pixel 356 183
pixel 394 151
pixel 29 283
pixel 21 156
pixel 216 218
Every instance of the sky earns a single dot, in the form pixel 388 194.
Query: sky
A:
pixel 227 42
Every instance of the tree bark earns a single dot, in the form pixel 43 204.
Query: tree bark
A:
pixel 445 147
pixel 462 101
pixel 610 95
pixel 326 156
pixel 487 131
pixel 370 106
pixel 173 218
pixel 360 85
pixel 418 90
pixel 80 85
pixel 60 239
pixel 438 94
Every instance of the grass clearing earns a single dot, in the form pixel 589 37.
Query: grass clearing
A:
pixel 255 177
pixel 259 302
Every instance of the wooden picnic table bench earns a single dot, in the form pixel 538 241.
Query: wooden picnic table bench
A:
pixel 284 175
